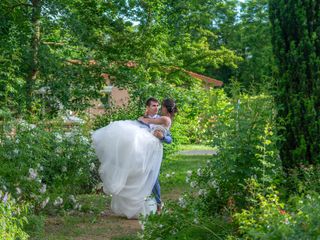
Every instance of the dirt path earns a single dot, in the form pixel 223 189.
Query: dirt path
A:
pixel 90 226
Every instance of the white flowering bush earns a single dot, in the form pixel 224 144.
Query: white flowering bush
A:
pixel 44 164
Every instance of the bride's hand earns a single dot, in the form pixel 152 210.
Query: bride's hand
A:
pixel 142 119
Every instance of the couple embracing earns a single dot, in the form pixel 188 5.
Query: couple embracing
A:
pixel 130 155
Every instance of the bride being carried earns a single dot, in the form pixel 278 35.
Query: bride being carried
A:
pixel 130 155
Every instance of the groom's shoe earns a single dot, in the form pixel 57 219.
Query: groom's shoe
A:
pixel 159 208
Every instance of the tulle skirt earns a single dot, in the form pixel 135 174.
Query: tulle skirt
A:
pixel 130 158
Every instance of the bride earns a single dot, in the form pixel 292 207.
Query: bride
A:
pixel 130 157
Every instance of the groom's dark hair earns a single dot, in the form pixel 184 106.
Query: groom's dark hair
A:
pixel 152 99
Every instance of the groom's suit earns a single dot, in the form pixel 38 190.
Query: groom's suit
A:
pixel 156 188
pixel 167 139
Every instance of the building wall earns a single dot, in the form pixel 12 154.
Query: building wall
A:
pixel 118 98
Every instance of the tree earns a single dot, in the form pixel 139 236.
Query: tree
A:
pixel 295 31
pixel 255 44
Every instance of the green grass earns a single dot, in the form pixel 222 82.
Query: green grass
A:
pixel 174 171
pixel 194 147
pixel 88 224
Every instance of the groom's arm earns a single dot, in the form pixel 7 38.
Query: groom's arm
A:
pixel 163 138
pixel 167 138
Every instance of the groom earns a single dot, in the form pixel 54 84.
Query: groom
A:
pixel 152 107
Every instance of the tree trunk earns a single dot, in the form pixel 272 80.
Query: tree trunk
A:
pixel 34 61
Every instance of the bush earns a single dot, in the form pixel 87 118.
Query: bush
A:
pixel 181 220
pixel 303 179
pixel 242 131
pixel 245 137
pixel 130 112
pixel 269 218
pixel 40 163
pixel 12 218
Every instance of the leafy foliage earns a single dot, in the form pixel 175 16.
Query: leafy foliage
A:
pixel 269 218
pixel 12 218
pixel 243 132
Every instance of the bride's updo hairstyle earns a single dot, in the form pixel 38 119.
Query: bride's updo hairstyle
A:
pixel 170 105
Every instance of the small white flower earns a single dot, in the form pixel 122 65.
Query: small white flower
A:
pixel 199 172
pixel 99 186
pixel 193 184
pixel 33 196
pixel 189 173
pixel 18 190
pixel 58 137
pixel 196 221
pixel 168 175
pixel 32 173
pixel 73 199
pixel 16 151
pixel 40 167
pixel 286 221
pixel 182 202
pixel 92 166
pixel 64 169
pixel 213 184
pixel 173 173
pixel 77 206
pixel 43 90
pixel 17 140
pixel 43 189
pixel 68 134
pixel 187 179
pixel 58 201
pixel 73 119
pixel 45 202
pixel 84 139
pixel 202 192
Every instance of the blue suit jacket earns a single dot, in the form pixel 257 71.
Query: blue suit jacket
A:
pixel 167 138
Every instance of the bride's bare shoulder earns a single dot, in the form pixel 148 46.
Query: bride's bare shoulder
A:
pixel 166 120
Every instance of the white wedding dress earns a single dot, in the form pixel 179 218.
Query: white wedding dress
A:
pixel 130 158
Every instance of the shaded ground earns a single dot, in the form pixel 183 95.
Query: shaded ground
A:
pixel 91 227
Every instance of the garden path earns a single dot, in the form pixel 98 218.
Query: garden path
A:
pixel 94 226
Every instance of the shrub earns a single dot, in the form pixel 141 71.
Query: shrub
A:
pixel 245 137
pixel 130 112
pixel 242 131
pixel 269 218
pixel 303 179
pixel 12 218
pixel 41 162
